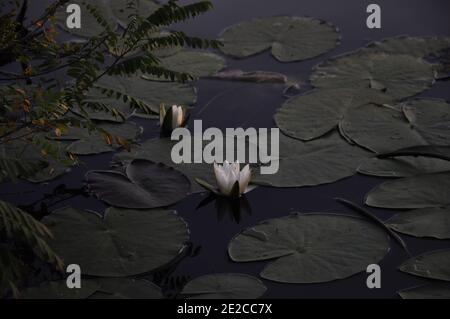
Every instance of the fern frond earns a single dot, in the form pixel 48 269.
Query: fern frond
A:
pixel 13 168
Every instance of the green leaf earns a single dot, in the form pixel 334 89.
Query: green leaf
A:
pixel 59 290
pixel 434 265
pixel 436 290
pixel 289 38
pixel 122 243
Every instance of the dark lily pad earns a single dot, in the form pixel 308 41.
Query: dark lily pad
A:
pixel 385 129
pixel 434 265
pixel 321 161
pixel 122 243
pixel 150 93
pixel 398 76
pixel 89 24
pixel 403 166
pixel 123 12
pixel 145 185
pixel 59 290
pixel 436 290
pixel 224 286
pixel 289 38
pixel 426 222
pixel 307 246
pixel 419 47
pixel 428 190
pixel 196 63
pixel 317 112
pixel 126 288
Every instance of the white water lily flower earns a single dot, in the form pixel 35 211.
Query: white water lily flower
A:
pixel 228 174
pixel 177 116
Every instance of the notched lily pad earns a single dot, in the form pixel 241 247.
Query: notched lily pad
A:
pixel 317 112
pixel 398 76
pixel 224 286
pixel 145 184
pixel 303 248
pixel 422 191
pixel 123 243
pixel 426 222
pixel 434 265
pixel 289 38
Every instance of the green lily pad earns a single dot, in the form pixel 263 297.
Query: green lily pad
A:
pixel 59 290
pixel 122 11
pixel 89 24
pixel 151 93
pixel 426 222
pixel 122 243
pixel 289 38
pixel 434 265
pixel 403 166
pixel 320 161
pixel 422 191
pixel 311 248
pixel 145 185
pixel 317 112
pixel 398 76
pixel 385 129
pixel 126 288
pixel 439 290
pixel 224 286
pixel 196 63
pixel 419 47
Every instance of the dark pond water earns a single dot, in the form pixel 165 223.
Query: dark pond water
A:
pixel 224 104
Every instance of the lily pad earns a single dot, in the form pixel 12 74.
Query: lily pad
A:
pixel 434 265
pixel 59 290
pixel 123 12
pixel 398 76
pixel 385 129
pixel 403 166
pixel 426 222
pixel 196 63
pixel 419 47
pixel 145 185
pixel 150 93
pixel 224 286
pixel 90 27
pixel 428 190
pixel 126 288
pixel 122 243
pixel 317 112
pixel 438 290
pixel 320 161
pixel 289 38
pixel 311 248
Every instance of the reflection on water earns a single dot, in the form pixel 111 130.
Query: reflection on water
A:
pixel 226 207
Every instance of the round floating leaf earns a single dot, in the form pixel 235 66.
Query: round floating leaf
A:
pixel 321 161
pixel 150 93
pixel 311 248
pixel 52 171
pixel 403 166
pixel 195 63
pixel 439 290
pixel 224 286
pixel 289 38
pixel 122 243
pixel 427 222
pixel 145 185
pixel 385 129
pixel 317 112
pixel 124 288
pixel 434 265
pixel 419 47
pixel 90 27
pixel 428 190
pixel 398 76
pixel 59 290
pixel 123 12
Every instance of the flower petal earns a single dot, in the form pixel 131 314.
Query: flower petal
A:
pixel 244 178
